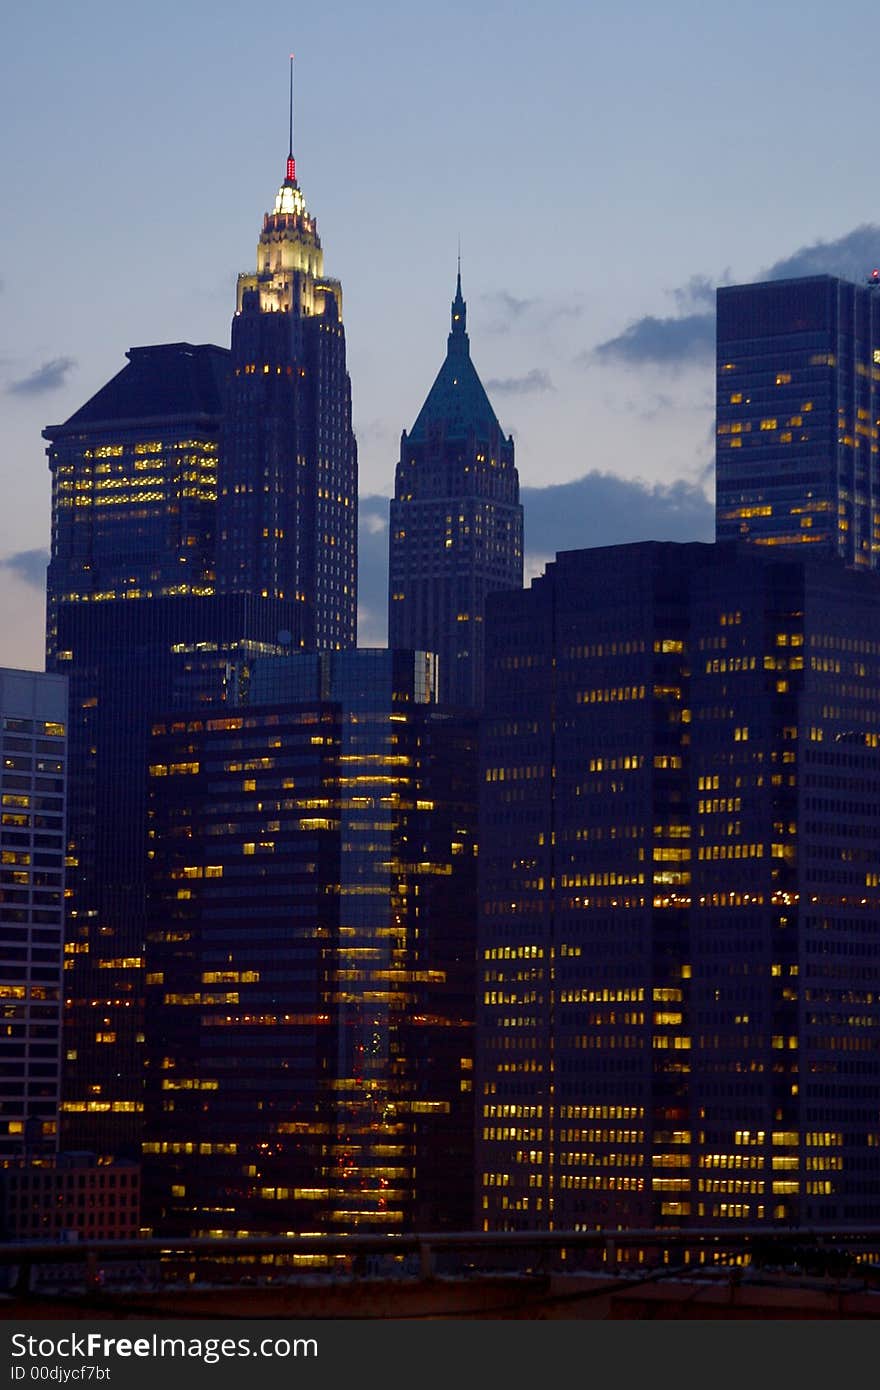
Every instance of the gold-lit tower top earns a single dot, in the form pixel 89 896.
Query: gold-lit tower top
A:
pixel 290 262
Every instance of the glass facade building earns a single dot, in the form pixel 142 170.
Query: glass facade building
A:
pixel 33 782
pixel 134 622
pixel 456 523
pixel 798 417
pixel 310 954
pixel 679 878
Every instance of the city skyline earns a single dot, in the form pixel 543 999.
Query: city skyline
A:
pixel 596 347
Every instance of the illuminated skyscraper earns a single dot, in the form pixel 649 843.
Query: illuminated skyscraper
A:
pixel 456 522
pixel 798 405
pixel 204 511
pixel 680 885
pixel 287 511
pixel 310 954
pixel 135 624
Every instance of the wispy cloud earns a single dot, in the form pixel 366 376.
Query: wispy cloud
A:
pixel 28 565
pixel 668 342
pixel 373 571
pixel 697 293
pixel 535 382
pixel 688 336
pixel 505 311
pixel 48 377
pixel 851 256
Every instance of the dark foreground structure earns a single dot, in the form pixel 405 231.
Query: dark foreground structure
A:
pixel 679 894
pixel 747 1275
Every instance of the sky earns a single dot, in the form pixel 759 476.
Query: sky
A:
pixel 603 165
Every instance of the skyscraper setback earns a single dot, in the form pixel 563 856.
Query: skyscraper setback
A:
pixel 456 522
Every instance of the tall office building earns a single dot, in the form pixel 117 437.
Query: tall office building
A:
pixel 133 620
pixel 679 891
pixel 798 407
pixel 310 954
pixel 33 742
pixel 134 482
pixel 204 512
pixel 287 510
pixel 456 522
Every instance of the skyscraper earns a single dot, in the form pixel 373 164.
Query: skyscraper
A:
pixel 456 522
pixel 204 512
pixel 134 482
pixel 287 508
pixel 798 416
pixel 33 742
pixel 679 891
pixel 310 954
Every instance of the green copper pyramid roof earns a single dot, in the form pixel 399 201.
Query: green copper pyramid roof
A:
pixel 458 399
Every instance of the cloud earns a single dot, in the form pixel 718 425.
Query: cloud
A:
pixel 46 378
pixel 596 509
pixel 376 432
pixel 689 336
pixel 373 571
pixel 534 382
pixel 506 311
pixel 851 257
pixel 697 293
pixel 28 565
pixel 668 342
pixel 603 509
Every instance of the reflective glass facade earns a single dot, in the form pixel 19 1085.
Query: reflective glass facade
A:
pixel 310 954
pixel 798 417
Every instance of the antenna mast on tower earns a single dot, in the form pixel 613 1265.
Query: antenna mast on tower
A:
pixel 291 162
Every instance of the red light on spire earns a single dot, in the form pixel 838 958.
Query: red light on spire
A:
pixel 291 169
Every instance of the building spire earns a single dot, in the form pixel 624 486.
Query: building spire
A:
pixel 459 309
pixel 291 162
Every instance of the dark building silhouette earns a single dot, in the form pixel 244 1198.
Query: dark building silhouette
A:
pixel 679 893
pixel 70 1197
pixel 310 954
pixel 456 522
pixel 287 509
pixel 798 416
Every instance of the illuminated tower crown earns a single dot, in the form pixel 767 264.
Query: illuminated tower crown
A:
pixel 290 261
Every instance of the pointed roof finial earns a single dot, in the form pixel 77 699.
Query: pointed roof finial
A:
pixel 291 162
pixel 459 308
